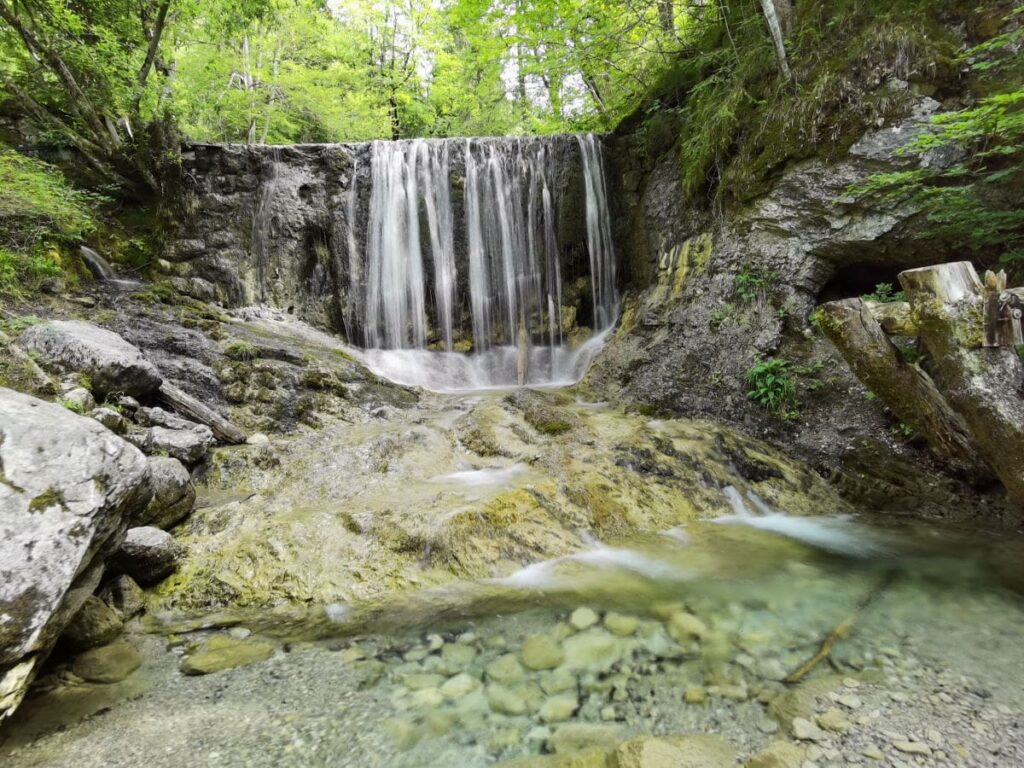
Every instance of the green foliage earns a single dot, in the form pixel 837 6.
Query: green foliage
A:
pixel 971 187
pixel 39 213
pixel 771 384
pixel 73 405
pixel 884 293
pixel 752 284
pixel 241 350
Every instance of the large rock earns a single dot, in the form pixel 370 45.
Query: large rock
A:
pixel 67 486
pixel 674 752
pixel 110 362
pixel 185 445
pixel 96 623
pixel 173 493
pixel 148 555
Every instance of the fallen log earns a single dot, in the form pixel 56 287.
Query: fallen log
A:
pixel 981 384
pixel 189 407
pixel 907 391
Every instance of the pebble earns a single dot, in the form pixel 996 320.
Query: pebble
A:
pixel 871 752
pixel 683 626
pixel 849 682
pixel 542 652
pixel 850 701
pixel 558 681
pixel 805 730
pixel 833 719
pixel 583 618
pixel 912 747
pixel 460 685
pixel 505 669
pixel 695 694
pixel 505 701
pixel 559 708
pixel 620 624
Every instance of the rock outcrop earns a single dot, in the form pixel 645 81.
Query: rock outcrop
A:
pixel 110 362
pixel 68 485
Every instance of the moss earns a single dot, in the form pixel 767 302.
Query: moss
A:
pixel 48 498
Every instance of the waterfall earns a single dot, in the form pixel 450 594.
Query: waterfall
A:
pixel 99 266
pixel 481 273
pixel 599 234
pixel 261 223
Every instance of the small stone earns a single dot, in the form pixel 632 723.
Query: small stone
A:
pixel 594 650
pixel 435 642
pixel 558 681
pixel 405 734
pixel 575 737
pixel 458 656
pixel 257 438
pixel 222 652
pixel 912 747
pixel 778 754
pixel 768 726
pixel 148 555
pixel 459 686
pixel 695 694
pixel 674 752
pixel 833 719
pixel 504 700
pixel 419 682
pixel 428 698
pixel 542 652
pixel 621 624
pixel 805 730
pixel 79 399
pixel 108 663
pixel 850 701
pixel 583 618
pixel 683 626
pixel 849 682
pixel 240 633
pixel 559 708
pixel 506 738
pixel 871 752
pixel 608 713
pixel 505 669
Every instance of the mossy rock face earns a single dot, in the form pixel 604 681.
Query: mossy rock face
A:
pixel 222 652
pixel 108 663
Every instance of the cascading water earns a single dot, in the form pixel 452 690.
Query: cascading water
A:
pixel 415 300
pixel 261 223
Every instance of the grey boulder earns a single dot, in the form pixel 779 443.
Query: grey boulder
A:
pixel 165 433
pixel 67 486
pixel 148 555
pixel 110 362
pixel 173 493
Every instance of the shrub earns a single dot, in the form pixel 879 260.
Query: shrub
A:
pixel 885 293
pixel 241 350
pixel 771 384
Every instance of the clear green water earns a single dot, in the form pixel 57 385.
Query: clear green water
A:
pixel 931 655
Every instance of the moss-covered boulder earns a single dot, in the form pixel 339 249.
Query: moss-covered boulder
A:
pixel 222 652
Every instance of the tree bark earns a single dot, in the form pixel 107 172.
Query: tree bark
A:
pixel 983 385
pixel 183 403
pixel 775 27
pixel 904 388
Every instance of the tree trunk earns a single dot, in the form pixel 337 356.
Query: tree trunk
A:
pixel 904 388
pixel 983 385
pixel 775 27
pixel 667 16
pixel 183 403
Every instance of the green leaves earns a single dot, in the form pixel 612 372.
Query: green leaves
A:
pixel 771 384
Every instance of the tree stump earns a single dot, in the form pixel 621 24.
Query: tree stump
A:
pixel 908 391
pixel 982 385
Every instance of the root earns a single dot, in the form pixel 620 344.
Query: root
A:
pixel 841 631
